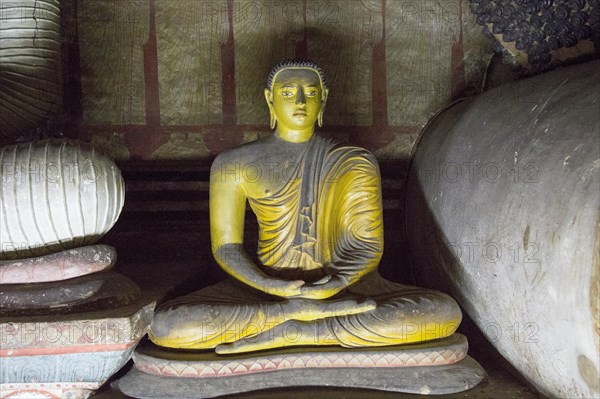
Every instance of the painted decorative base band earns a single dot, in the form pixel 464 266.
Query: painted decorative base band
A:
pixel 153 360
pixel 89 367
pixel 63 390
pixel 434 380
pixel 102 330
pixel 68 356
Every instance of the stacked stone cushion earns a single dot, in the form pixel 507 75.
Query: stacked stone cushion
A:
pixel 30 62
pixel 55 195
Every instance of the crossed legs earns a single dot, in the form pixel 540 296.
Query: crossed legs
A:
pixel 232 318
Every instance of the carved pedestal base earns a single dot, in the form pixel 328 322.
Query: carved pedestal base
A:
pixel 436 367
pixel 68 356
pixel 63 390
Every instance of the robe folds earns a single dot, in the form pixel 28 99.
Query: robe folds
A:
pixel 327 215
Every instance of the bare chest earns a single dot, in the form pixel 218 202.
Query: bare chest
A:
pixel 265 177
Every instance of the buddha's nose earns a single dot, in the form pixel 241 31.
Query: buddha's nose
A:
pixel 300 97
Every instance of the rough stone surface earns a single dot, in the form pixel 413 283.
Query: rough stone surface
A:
pixel 157 361
pixel 86 293
pixel 68 356
pixel 59 266
pixel 502 212
pixel 438 380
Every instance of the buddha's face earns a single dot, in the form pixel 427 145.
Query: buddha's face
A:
pixel 297 98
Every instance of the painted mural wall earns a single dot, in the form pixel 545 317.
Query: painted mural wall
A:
pixel 183 79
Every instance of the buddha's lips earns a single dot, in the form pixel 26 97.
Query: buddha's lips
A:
pixel 300 113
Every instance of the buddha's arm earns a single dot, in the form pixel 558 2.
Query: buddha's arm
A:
pixel 227 211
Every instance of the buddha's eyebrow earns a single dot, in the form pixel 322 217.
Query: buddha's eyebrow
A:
pixel 291 85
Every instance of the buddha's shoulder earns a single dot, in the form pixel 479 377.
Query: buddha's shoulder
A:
pixel 245 153
pixel 354 151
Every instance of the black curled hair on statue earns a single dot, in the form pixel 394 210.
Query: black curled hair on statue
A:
pixel 295 63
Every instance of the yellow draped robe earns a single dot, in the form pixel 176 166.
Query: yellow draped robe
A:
pixel 327 219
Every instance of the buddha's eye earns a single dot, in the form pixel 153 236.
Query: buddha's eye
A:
pixel 287 94
pixel 311 93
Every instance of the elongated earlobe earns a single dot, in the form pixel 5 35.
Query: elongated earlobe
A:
pixel 269 98
pixel 323 101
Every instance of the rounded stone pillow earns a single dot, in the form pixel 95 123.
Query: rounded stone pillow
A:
pixel 55 195
pixel 30 65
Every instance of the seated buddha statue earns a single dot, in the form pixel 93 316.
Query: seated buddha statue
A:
pixel 314 280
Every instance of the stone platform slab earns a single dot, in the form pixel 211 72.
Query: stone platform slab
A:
pixel 68 356
pixel 154 360
pixel 104 290
pixel 436 367
pixel 59 266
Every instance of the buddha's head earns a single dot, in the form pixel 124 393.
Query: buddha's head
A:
pixel 296 94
